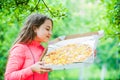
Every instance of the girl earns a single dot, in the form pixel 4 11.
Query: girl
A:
pixel 25 55
pixel 23 62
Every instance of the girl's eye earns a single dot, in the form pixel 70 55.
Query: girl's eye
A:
pixel 47 29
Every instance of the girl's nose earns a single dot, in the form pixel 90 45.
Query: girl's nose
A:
pixel 50 32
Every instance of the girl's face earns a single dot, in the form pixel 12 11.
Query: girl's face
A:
pixel 43 33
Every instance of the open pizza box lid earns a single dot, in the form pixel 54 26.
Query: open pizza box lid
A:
pixel 72 56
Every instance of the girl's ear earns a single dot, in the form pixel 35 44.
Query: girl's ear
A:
pixel 34 29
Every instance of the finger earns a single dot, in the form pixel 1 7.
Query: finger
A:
pixel 95 53
pixel 41 72
pixel 41 63
pixel 45 70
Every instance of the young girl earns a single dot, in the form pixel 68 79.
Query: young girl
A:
pixel 25 55
pixel 23 62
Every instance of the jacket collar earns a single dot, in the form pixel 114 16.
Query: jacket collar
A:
pixel 35 43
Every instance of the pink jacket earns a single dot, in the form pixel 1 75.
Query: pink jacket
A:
pixel 20 60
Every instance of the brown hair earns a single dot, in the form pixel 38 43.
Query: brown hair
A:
pixel 27 32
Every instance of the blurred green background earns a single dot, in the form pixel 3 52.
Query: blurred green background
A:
pixel 70 17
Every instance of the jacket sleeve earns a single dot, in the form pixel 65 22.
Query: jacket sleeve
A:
pixel 14 69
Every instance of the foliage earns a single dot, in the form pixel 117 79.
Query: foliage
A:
pixel 84 18
pixel 13 13
pixel 70 17
pixel 111 50
pixel 113 10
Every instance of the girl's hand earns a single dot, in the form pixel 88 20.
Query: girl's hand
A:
pixel 95 53
pixel 40 68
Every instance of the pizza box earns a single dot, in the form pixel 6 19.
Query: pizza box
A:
pixel 71 53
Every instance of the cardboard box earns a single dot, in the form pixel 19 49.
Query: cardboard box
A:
pixel 60 57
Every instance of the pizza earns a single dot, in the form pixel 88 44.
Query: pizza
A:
pixel 68 54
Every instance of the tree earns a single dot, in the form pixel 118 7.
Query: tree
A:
pixel 13 13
